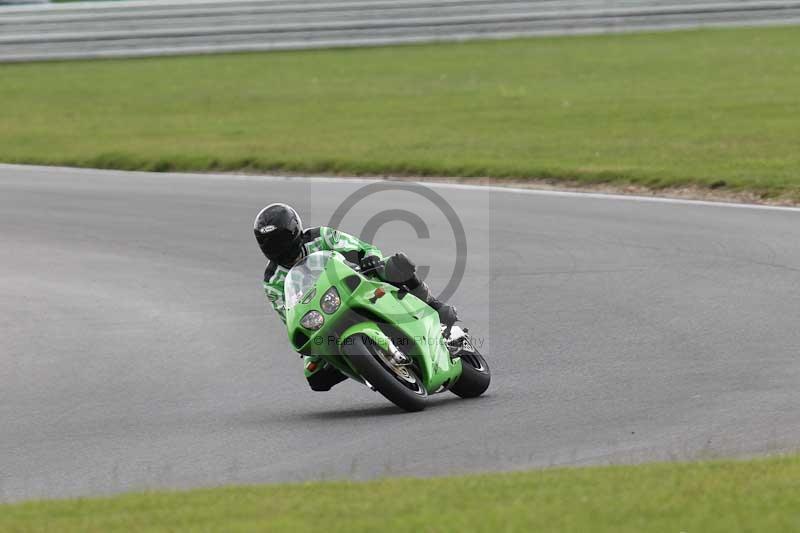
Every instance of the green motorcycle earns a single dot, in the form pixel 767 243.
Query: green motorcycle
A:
pixel 378 334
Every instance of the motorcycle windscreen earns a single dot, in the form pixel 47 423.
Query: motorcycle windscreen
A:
pixel 303 276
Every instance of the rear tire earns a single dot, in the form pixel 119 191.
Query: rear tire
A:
pixel 475 374
pixel 363 355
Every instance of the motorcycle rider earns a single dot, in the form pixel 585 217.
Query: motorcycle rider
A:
pixel 281 237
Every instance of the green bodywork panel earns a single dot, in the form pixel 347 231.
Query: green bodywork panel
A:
pixel 412 324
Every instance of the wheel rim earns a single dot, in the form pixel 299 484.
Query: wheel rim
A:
pixel 402 373
pixel 470 355
pixel 474 360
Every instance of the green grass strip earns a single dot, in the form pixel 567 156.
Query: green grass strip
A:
pixel 714 108
pixel 757 495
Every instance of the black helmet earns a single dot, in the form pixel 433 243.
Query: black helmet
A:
pixel 279 232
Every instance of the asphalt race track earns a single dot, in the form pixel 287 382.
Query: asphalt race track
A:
pixel 137 350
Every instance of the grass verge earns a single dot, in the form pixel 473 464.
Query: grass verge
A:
pixel 756 495
pixel 715 109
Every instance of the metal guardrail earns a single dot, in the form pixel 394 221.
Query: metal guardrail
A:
pixel 11 2
pixel 170 27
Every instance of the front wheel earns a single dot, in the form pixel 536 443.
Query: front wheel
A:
pixel 399 384
pixel 475 374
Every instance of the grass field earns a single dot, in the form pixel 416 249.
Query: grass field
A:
pixel 718 108
pixel 759 495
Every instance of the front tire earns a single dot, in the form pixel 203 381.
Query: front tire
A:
pixel 404 390
pixel 475 374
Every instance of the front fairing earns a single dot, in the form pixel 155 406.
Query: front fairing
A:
pixel 333 274
pixel 411 324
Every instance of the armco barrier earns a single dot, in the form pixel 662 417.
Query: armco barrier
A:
pixel 167 27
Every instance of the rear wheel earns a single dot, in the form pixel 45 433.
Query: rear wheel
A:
pixel 475 374
pixel 400 384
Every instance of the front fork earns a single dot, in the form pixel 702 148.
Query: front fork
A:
pixel 439 370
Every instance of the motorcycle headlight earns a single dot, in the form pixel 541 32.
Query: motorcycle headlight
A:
pixel 312 320
pixel 330 301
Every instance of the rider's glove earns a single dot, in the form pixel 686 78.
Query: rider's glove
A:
pixel 371 263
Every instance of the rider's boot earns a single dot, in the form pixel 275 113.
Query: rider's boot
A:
pixel 448 314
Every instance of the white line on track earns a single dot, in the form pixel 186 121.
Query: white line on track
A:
pixel 431 184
